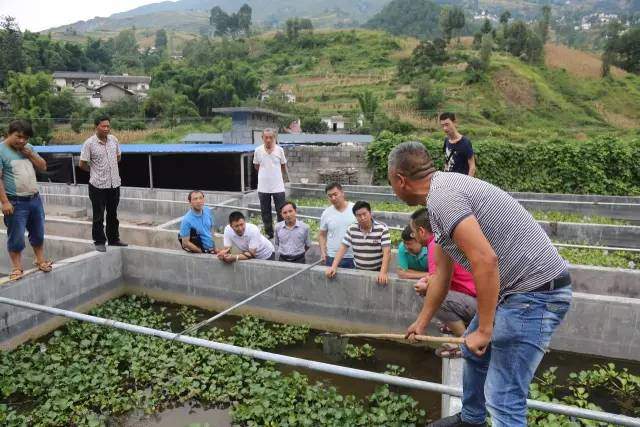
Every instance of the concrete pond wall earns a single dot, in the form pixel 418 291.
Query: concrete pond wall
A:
pixel 623 208
pixel 604 325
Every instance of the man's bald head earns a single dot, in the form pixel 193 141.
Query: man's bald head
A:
pixel 411 160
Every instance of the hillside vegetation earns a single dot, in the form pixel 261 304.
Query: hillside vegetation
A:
pixel 516 100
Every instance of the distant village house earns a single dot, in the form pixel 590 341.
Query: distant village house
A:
pixel 101 89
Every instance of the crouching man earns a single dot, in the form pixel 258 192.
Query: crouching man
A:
pixel 196 229
pixel 247 239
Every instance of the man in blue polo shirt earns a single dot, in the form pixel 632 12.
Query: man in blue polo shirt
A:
pixel 412 257
pixel 196 229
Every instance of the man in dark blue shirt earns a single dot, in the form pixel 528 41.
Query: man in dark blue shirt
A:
pixel 458 152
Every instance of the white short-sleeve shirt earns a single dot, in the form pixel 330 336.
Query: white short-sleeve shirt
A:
pixel 270 174
pixel 252 239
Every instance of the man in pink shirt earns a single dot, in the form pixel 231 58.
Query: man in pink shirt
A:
pixel 459 306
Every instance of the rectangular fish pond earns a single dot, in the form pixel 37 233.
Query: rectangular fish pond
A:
pixel 86 374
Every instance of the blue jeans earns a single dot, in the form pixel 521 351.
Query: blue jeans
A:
pixel 27 214
pixel 499 379
pixel 345 263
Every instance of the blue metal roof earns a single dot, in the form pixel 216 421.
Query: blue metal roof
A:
pixel 156 148
pixel 202 137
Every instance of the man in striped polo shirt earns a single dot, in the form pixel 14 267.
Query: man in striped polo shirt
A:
pixel 370 241
pixel 523 285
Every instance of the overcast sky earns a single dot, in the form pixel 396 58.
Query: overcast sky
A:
pixel 37 15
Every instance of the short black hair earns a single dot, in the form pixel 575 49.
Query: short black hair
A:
pixel 191 193
pixel 448 115
pixel 407 234
pixel 420 218
pixel 330 186
pixel 101 118
pixel 289 202
pixel 359 205
pixel 235 216
pixel 20 126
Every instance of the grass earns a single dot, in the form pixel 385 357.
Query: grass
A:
pixel 151 135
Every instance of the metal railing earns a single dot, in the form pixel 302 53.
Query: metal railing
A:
pixel 570 411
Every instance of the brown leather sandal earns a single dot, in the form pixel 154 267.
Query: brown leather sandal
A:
pixel 16 274
pixel 45 266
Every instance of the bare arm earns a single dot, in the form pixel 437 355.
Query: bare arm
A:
pixel 285 173
pixel 38 162
pixel 257 166
pixel 383 276
pixel 186 243
pixel 84 165
pixel 436 292
pixel 331 271
pixel 484 267
pixel 322 242
pixel 7 207
pixel 410 274
pixel 472 166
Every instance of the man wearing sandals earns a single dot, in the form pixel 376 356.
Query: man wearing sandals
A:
pixel 523 285
pixel 21 204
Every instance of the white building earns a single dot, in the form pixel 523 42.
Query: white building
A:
pixel 334 123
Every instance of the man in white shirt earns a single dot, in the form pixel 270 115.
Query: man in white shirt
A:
pixel 247 239
pixel 334 222
pixel 271 164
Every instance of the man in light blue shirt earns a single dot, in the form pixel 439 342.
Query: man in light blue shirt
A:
pixel 196 229
pixel 334 222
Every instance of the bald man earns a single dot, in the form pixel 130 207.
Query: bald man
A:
pixel 523 285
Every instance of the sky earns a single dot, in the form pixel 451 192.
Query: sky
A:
pixel 37 15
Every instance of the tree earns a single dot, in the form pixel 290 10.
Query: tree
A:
pixel 428 97
pixel 625 49
pixel 368 105
pixel 77 121
pixel 125 44
pixel 505 17
pixel 161 39
pixel 313 124
pixel 179 110
pixel 417 18
pixel 244 19
pixel 29 96
pixel 544 23
pixel 11 56
pixel 451 19
pixel 157 101
pixel 98 52
pixel 486 49
pixel 294 26
pixel 62 105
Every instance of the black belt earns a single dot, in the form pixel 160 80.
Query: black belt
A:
pixel 559 282
pixel 24 198
pixel 292 258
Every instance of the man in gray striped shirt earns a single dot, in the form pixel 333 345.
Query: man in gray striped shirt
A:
pixel 370 241
pixel 523 286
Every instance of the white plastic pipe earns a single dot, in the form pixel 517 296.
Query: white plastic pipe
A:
pixel 570 411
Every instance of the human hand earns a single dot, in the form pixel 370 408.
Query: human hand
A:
pixel 7 208
pixel 421 286
pixel 383 279
pixel 323 258
pixel 477 342
pixel 416 328
pixel 330 273
pixel 26 151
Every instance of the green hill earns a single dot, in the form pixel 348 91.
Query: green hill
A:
pixel 515 100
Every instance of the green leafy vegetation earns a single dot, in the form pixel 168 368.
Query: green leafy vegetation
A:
pixel 48 383
pixel 606 384
pixel 602 165
pixel 602 258
pixel 351 351
pixel 408 17
pixel 551 216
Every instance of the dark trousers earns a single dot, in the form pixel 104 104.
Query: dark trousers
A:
pixel 265 209
pixel 104 199
pixel 298 259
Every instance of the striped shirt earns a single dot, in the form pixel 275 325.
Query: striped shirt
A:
pixel 367 247
pixel 526 257
pixel 103 161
